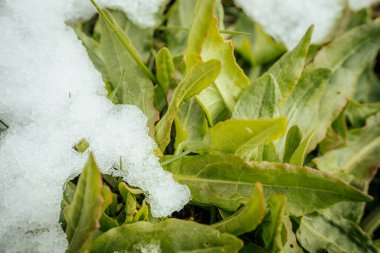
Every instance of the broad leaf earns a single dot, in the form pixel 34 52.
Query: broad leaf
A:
pixel 171 235
pixel 243 136
pixel 83 214
pixel 259 101
pixel 231 80
pixel 197 79
pixel 361 155
pixel 247 218
pixel 320 231
pixel 226 181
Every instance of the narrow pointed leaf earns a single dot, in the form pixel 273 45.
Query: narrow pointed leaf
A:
pixel 287 71
pixel 299 154
pixel 293 139
pixel 273 224
pixel 85 211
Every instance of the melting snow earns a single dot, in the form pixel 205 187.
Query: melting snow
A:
pixel 52 96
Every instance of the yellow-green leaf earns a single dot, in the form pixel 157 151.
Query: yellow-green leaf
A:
pixel 248 217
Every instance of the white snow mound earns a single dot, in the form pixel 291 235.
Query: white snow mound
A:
pixel 51 96
pixel 288 20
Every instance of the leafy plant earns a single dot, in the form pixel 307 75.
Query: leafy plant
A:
pixel 277 153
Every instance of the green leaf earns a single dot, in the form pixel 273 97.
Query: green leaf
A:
pixel 226 181
pixel 171 235
pixel 202 17
pixel 164 68
pixel 320 231
pixel 248 217
pixel 272 225
pixel 129 83
pixel 123 38
pixel 293 139
pixel 242 136
pixel 347 57
pixel 231 81
pixel 191 124
pixel 287 71
pixel 291 244
pixel 299 154
pixel 86 209
pixel 358 113
pixel 361 155
pixel 259 101
pixel 301 108
pixel 197 79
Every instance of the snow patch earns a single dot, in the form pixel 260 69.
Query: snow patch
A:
pixel 360 4
pixel 288 20
pixel 51 96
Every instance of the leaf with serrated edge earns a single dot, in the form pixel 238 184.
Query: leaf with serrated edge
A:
pixel 231 81
pixel 226 181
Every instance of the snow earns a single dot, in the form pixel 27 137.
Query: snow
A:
pixel 360 4
pixel 51 96
pixel 288 20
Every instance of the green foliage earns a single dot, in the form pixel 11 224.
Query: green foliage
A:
pixel 171 235
pixel 239 143
pixel 83 213
pixel 230 181
pixel 247 218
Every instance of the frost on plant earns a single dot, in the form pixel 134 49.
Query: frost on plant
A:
pixel 52 97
